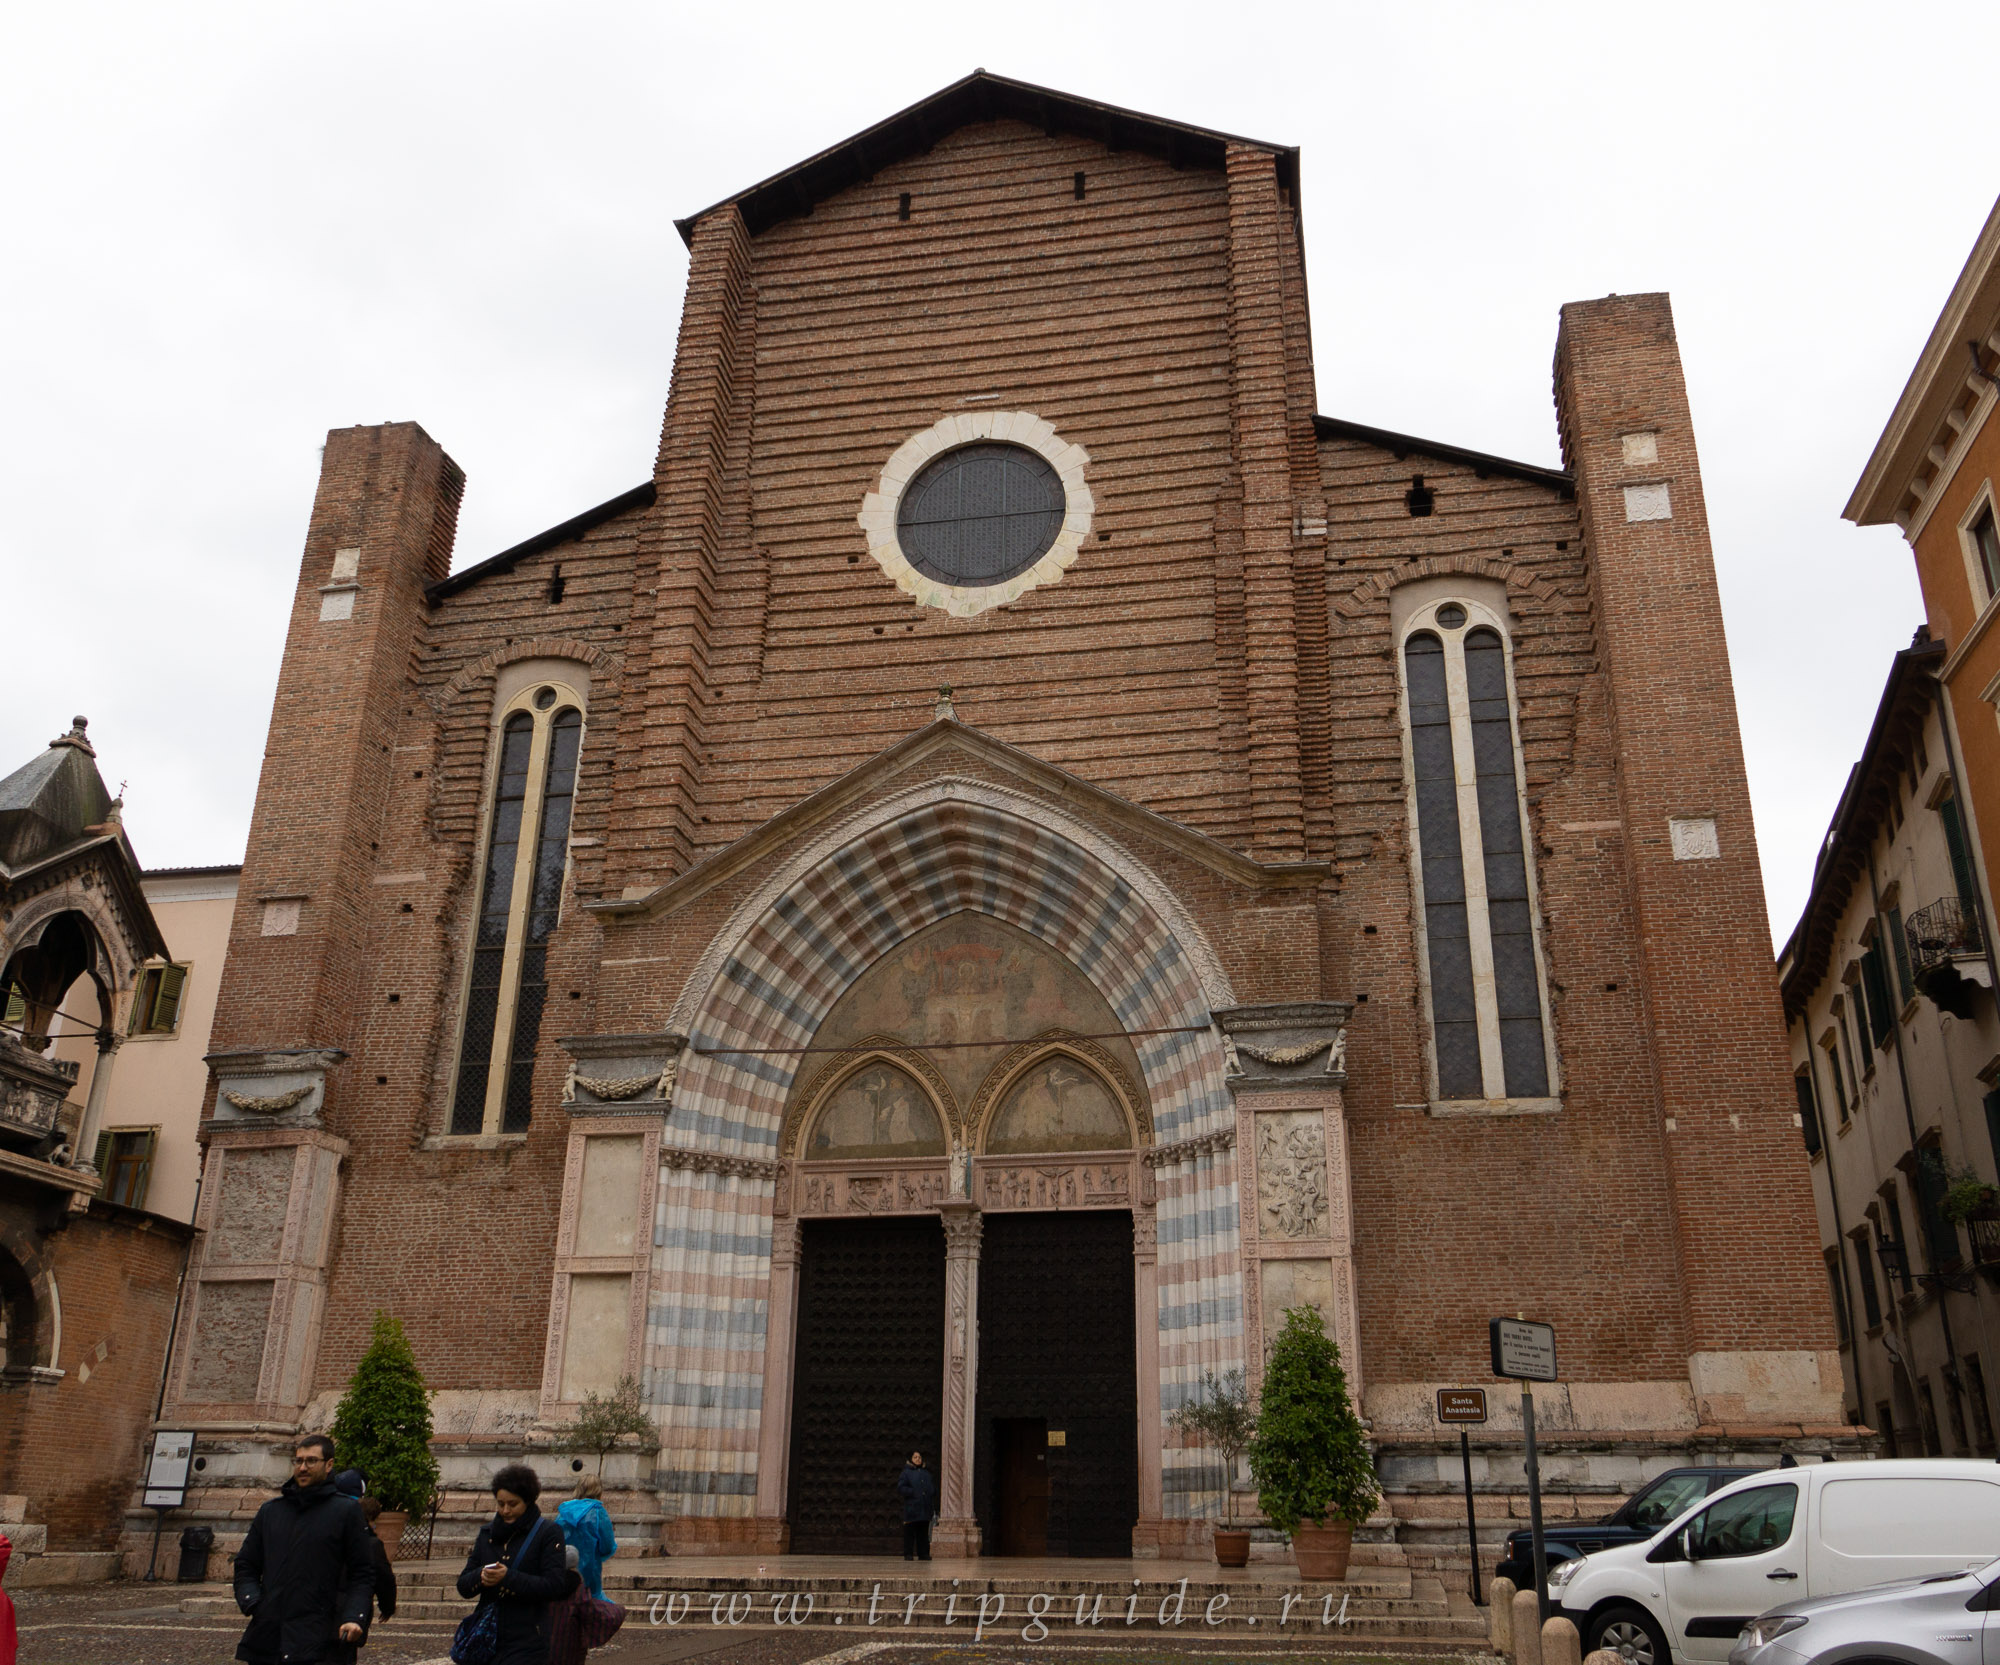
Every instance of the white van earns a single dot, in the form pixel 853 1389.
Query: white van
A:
pixel 1786 1534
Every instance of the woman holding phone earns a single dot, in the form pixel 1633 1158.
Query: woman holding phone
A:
pixel 518 1564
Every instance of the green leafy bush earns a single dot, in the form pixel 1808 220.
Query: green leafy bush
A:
pixel 383 1423
pixel 1309 1459
pixel 1967 1195
pixel 601 1422
pixel 1220 1416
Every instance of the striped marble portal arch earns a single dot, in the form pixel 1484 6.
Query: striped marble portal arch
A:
pixel 720 1280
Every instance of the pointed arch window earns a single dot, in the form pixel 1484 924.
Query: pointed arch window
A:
pixel 520 902
pixel 1479 950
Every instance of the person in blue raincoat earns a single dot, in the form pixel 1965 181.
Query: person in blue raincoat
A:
pixel 586 1527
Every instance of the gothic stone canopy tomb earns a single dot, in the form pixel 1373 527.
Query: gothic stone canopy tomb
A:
pixel 1280 908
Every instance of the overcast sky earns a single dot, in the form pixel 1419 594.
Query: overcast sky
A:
pixel 229 229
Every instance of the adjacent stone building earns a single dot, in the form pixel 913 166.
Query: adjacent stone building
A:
pixel 1021 852
pixel 88 1275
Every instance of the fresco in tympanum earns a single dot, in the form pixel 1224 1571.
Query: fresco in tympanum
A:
pixel 877 1111
pixel 1058 1105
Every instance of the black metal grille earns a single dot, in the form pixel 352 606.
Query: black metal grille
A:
pixel 981 514
pixel 1945 930
pixel 868 1386
pixel 1057 1344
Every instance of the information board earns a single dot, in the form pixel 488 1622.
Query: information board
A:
pixel 1524 1351
pixel 167 1470
pixel 1461 1404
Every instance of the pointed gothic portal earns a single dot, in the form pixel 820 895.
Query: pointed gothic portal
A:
pixel 953 1013
pixel 869 1378
pixel 1056 1358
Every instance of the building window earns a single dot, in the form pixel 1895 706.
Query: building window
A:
pixel 1885 1425
pixel 1984 539
pixel 1831 1048
pixel 1481 960
pixel 1929 1185
pixel 1808 1110
pixel 520 902
pixel 1982 1410
pixel 1839 1296
pixel 125 1159
pixel 1894 1211
pixel 1862 1059
pixel 1864 1266
pixel 1927 1418
pixel 1900 944
pixel 156 1002
pixel 1875 985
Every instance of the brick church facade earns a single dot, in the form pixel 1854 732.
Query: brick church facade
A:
pixel 1020 853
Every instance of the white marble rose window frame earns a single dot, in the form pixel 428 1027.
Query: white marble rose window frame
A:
pixel 880 508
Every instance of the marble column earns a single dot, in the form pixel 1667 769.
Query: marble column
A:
pixel 1146 1326
pixel 957 1532
pixel 773 1534
pixel 100 1089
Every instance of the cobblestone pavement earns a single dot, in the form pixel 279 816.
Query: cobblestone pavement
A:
pixel 142 1624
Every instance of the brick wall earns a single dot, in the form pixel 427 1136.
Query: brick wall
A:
pixel 76 1446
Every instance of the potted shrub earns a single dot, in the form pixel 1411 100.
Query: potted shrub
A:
pixel 1315 1479
pixel 1968 1197
pixel 1219 1416
pixel 382 1426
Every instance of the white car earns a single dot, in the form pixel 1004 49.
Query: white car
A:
pixel 1783 1535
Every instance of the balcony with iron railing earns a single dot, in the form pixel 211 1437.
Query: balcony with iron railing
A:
pixel 1946 930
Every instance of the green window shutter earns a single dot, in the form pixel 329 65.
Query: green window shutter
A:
pixel 1899 940
pixel 141 1168
pixel 1864 1053
pixel 17 1009
pixel 142 1001
pixel 1881 1015
pixel 102 1160
pixel 1961 864
pixel 167 1006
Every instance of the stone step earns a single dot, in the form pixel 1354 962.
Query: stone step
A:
pixel 35 1572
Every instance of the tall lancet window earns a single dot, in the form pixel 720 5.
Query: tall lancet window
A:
pixel 520 901
pixel 1480 961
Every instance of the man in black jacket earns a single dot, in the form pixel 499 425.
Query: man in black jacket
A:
pixel 305 1573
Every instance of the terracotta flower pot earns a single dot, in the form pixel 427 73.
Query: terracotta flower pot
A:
pixel 389 1526
pixel 1322 1551
pixel 1232 1546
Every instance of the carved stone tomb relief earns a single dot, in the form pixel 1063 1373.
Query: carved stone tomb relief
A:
pixel 1291 1174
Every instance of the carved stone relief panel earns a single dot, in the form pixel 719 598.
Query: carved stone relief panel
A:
pixel 1296 1283
pixel 890 1191
pixel 1055 1185
pixel 1291 1174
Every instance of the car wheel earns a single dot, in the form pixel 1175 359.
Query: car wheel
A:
pixel 1630 1633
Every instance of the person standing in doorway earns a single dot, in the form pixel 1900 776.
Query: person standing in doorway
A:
pixel 305 1574
pixel 918 1489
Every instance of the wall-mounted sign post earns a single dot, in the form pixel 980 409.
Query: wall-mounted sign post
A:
pixel 1526 1353
pixel 167 1469
pixel 1465 1406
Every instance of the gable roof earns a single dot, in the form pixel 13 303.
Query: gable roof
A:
pixel 981 97
pixel 842 794
pixel 1871 785
pixel 639 497
pixel 1404 445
